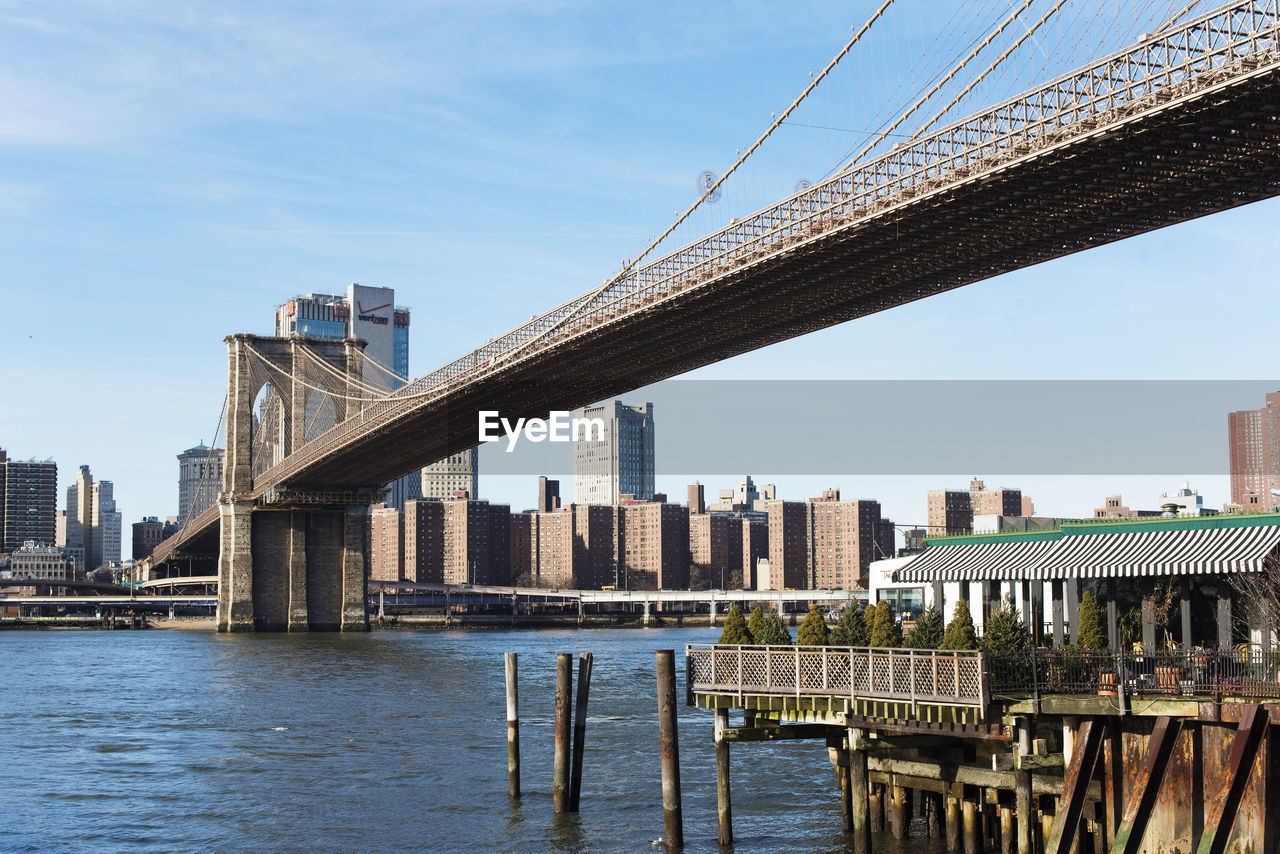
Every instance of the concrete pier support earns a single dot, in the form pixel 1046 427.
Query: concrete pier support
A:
pixel 648 616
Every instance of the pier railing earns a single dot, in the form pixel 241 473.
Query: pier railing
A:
pixel 951 678
pixel 1251 673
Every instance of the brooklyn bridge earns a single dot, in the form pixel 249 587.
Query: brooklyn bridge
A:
pixel 1178 123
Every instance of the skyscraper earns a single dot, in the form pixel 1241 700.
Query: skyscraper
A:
pixel 620 463
pixel 199 480
pixel 28 502
pixel 452 475
pixel 1253 437
pixel 93 523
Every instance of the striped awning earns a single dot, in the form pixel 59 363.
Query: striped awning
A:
pixel 1113 554
pixel 985 561
pixel 1172 552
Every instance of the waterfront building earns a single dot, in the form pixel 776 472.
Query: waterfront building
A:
pixel 715 550
pixel 476 545
pixel 951 511
pixel 423 541
pixel 576 546
pixel 386 544
pixel 147 534
pixel 788 546
pixel 521 538
pixel 843 540
pixel 755 548
pixel 622 461
pixel 1253 442
pixel 653 544
pixel 28 502
pixel 199 480
pixel 34 559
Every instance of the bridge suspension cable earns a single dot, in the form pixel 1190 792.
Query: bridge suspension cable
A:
pixel 208 465
pixel 933 90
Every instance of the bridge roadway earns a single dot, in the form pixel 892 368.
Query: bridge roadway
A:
pixel 1176 127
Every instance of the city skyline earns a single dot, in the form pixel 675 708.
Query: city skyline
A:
pixel 233 200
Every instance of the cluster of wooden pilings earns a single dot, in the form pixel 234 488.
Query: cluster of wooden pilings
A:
pixel 567 764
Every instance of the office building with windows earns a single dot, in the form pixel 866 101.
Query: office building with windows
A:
pixel 619 462
pixel 199 480
pixel 28 502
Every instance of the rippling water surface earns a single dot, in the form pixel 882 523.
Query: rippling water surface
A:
pixel 184 740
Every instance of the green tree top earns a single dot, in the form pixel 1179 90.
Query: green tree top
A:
pixel 813 630
pixel 852 628
pixel 928 630
pixel 884 631
pixel 1005 632
pixel 773 632
pixel 755 624
pixel 735 629
pixel 1091 634
pixel 960 633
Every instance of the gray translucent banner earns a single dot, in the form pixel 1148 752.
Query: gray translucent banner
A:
pixel 933 427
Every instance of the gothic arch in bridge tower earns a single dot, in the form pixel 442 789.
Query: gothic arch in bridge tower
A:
pixel 290 558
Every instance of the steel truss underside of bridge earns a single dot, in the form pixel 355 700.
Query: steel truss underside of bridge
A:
pixel 1187 158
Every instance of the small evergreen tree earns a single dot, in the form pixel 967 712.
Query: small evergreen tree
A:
pixel 851 629
pixel 735 629
pixel 813 630
pixel 960 633
pixel 1091 634
pixel 755 624
pixel 884 631
pixel 928 630
pixel 773 632
pixel 1005 632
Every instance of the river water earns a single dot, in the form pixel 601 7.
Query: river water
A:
pixel 388 741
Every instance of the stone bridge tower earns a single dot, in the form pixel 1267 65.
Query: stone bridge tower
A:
pixel 294 558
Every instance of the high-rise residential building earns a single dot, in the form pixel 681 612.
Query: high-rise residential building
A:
pixel 1253 441
pixel 423 547
pixel 521 571
pixel 843 540
pixel 147 534
pixel 477 548
pixel 575 546
pixel 715 550
pixel 788 546
pixel 755 548
pixel 199 480
pixel 28 502
pixel 548 495
pixel 622 461
pixel 370 314
pixel 452 477
pixel 386 544
pixel 951 511
pixel 653 545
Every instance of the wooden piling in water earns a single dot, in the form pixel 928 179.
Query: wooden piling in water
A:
pixel 513 727
pixel 580 729
pixel 972 828
pixel 564 711
pixel 933 814
pixel 858 804
pixel 724 801
pixel 898 813
pixel 952 823
pixel 1022 791
pixel 1006 829
pixel 669 748
pixel 875 802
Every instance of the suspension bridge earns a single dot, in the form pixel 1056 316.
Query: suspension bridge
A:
pixel 1177 122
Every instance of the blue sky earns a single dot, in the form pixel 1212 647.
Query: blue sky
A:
pixel 170 172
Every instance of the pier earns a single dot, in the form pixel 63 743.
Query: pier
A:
pixel 1048 750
